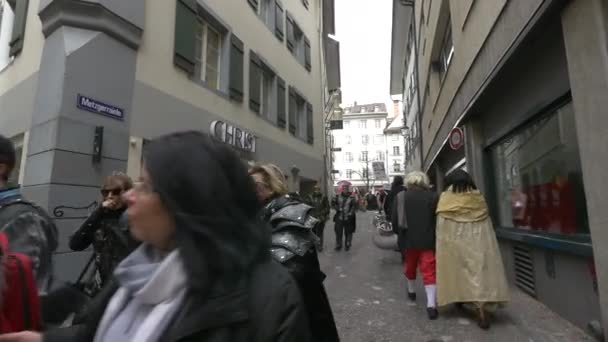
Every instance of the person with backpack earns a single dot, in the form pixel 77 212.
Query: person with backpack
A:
pixel 29 229
pixel 19 300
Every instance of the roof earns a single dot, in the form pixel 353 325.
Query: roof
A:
pixel 396 125
pixel 378 107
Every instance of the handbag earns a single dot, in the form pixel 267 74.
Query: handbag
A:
pixel 383 236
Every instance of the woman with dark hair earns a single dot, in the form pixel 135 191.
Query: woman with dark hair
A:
pixel 469 265
pixel 203 271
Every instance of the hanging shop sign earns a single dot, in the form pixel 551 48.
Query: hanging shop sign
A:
pixel 379 170
pixel 98 107
pixel 234 136
pixel 336 124
pixel 456 138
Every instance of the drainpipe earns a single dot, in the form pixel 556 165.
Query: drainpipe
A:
pixel 417 75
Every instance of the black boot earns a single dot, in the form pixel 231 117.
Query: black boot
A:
pixel 432 313
pixel 338 248
pixel 349 241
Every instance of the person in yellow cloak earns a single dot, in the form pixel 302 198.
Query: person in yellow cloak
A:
pixel 469 265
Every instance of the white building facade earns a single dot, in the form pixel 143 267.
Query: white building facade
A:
pixel 361 142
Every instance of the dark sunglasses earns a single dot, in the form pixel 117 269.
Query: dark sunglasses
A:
pixel 108 192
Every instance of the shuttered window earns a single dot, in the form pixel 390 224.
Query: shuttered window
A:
pixel 291 38
pixel 185 41
pixel 307 54
pixel 279 21
pixel 235 87
pixel 309 124
pixel 293 111
pixel 281 103
pixel 253 4
pixel 17 35
pixel 255 78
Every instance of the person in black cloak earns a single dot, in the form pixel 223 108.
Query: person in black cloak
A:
pixel 294 246
pixel 203 271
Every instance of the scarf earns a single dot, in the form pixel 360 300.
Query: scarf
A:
pixel 462 206
pixel 151 290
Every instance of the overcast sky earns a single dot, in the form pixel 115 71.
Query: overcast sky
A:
pixel 363 28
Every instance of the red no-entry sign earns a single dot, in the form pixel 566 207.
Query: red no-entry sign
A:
pixel 456 138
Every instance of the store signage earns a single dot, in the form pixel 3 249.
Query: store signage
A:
pixel 336 149
pixel 335 171
pixel 98 107
pixel 335 124
pixel 379 170
pixel 456 138
pixel 234 136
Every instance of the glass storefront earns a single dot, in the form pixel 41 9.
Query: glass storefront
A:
pixel 538 178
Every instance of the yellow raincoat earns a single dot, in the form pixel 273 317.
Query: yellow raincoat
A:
pixel 469 265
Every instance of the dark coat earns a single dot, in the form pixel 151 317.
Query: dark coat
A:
pixel 293 244
pixel 388 202
pixel 420 206
pixel 108 232
pixel 266 307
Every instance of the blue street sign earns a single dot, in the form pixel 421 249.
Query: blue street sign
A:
pixel 94 106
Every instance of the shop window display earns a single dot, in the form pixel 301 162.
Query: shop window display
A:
pixel 538 178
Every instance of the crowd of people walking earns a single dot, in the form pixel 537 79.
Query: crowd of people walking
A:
pixel 232 256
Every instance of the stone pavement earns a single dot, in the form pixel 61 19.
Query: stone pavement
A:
pixel 366 287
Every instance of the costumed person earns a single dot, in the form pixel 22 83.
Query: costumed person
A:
pixel 413 219
pixel 320 204
pixel 469 265
pixel 345 219
pixel 396 187
pixel 107 230
pixel 294 246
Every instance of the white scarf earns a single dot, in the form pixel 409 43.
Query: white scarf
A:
pixel 165 290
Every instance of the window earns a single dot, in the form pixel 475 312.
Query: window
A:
pixel 362 124
pixel 365 172
pixel 346 124
pixel 349 173
pixel 447 51
pixel 378 123
pixel 13 16
pixel 363 156
pixel 15 176
pixel 348 139
pixel 380 155
pixel 266 12
pixel 378 139
pixel 396 166
pixel 396 151
pixel 365 139
pixel 395 137
pixel 538 177
pixel 300 116
pixel 297 43
pixel 208 47
pixel 267 95
pixel 348 157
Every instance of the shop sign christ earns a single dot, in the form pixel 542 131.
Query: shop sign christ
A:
pixel 234 136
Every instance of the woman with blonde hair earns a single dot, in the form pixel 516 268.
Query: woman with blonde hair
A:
pixel 469 265
pixel 413 219
pixel 294 246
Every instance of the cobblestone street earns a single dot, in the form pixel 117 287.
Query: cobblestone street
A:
pixel 367 290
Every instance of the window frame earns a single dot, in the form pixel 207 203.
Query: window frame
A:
pixel 201 42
